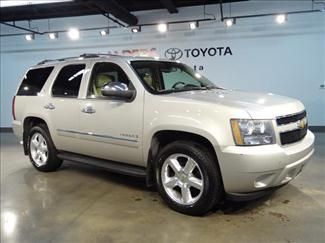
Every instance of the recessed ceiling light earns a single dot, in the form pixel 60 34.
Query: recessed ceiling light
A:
pixel 281 18
pixel 73 34
pixel 30 37
pixel 162 28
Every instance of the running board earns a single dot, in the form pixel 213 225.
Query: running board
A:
pixel 116 167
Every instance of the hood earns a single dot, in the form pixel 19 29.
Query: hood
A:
pixel 258 105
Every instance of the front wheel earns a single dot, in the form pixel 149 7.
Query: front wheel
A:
pixel 188 178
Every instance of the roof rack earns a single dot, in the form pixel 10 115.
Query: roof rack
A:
pixel 91 55
pixel 53 60
pixel 85 55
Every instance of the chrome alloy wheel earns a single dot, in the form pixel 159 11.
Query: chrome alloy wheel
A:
pixel 38 149
pixel 182 179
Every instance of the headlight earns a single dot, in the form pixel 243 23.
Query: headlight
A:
pixel 252 132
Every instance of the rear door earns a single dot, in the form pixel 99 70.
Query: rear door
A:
pixel 63 106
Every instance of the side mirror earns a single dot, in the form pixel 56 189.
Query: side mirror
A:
pixel 117 90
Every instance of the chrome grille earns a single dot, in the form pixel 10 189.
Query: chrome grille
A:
pixel 293 136
pixel 291 118
pixel 296 134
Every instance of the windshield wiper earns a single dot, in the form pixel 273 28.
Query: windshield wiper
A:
pixel 186 89
pixel 182 90
pixel 213 87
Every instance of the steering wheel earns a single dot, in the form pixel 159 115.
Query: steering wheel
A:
pixel 177 83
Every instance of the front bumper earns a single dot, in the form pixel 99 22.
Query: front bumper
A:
pixel 257 168
pixel 248 196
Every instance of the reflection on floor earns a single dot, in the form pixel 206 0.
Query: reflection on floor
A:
pixel 84 204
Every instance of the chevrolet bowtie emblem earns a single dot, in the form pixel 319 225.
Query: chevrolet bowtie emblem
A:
pixel 301 124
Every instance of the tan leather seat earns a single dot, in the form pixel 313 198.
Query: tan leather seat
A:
pixel 100 80
pixel 150 81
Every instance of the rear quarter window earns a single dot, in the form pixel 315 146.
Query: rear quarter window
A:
pixel 34 81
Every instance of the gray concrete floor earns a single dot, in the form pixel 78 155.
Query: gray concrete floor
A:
pixel 84 204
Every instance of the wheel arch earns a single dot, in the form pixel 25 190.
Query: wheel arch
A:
pixel 163 137
pixel 28 123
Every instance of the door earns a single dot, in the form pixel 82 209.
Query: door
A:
pixel 111 129
pixel 63 107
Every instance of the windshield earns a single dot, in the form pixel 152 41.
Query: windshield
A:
pixel 165 77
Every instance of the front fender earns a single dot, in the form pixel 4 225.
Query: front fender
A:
pixel 178 128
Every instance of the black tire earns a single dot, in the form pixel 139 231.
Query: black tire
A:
pixel 53 162
pixel 212 191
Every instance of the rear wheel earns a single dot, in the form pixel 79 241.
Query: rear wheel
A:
pixel 188 178
pixel 41 150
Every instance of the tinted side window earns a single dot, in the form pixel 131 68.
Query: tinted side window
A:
pixel 105 73
pixel 147 74
pixel 68 81
pixel 34 81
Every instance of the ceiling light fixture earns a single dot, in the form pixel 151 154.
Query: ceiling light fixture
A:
pixel 104 32
pixel 194 25
pixel 136 29
pixel 30 37
pixel 281 18
pixel 74 34
pixel 14 3
pixel 230 22
pixel 162 28
pixel 53 35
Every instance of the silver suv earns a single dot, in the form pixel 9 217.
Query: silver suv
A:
pixel 160 120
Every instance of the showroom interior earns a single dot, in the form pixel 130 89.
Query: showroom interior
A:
pixel 265 46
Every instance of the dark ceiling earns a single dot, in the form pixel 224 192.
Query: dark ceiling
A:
pixel 120 9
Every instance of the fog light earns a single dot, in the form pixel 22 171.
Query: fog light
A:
pixel 263 180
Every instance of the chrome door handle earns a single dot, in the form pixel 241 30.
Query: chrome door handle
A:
pixel 49 106
pixel 88 110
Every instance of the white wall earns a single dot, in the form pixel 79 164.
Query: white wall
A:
pixel 286 59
